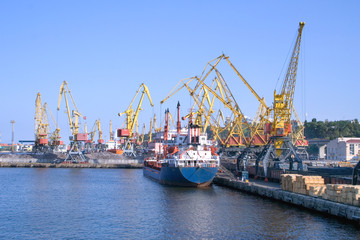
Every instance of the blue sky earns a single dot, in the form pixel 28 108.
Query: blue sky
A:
pixel 106 49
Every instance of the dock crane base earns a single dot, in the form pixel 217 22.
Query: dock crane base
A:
pixel 287 151
pixel 129 149
pixel 267 155
pixel 75 156
pixel 355 173
pixel 245 155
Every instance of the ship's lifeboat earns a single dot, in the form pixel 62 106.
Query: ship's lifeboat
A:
pixel 213 150
pixel 172 149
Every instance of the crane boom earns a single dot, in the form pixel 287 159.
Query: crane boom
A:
pixel 283 102
pixel 261 100
pixel 288 87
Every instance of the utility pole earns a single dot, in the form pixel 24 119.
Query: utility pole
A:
pixel 12 138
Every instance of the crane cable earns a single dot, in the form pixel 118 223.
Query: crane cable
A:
pixel 286 59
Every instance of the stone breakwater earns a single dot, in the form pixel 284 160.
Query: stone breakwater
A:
pixel 272 191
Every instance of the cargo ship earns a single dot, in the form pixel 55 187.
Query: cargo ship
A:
pixel 182 157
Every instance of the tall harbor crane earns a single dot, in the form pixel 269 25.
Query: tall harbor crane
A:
pixel 236 134
pixel 141 137
pixel 150 130
pixel 280 146
pixel 90 142
pixel 54 135
pixel 131 118
pixel 270 135
pixel 77 138
pixel 204 96
pixel 111 132
pixel 41 125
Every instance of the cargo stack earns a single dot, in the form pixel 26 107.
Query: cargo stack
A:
pixel 332 192
pixel 308 185
pixel 303 184
pixel 343 193
pixel 351 195
pixel 317 191
pixel 315 186
pixel 287 181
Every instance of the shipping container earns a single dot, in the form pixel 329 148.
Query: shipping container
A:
pixel 123 132
pixel 43 141
pixel 81 136
pixel 234 141
pixel 260 140
pixel 267 128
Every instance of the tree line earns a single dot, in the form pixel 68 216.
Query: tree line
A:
pixel 332 129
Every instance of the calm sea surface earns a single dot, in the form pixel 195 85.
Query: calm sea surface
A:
pixel 123 204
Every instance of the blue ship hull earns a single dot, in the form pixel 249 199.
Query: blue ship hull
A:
pixel 182 176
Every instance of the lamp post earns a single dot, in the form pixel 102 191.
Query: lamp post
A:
pixel 12 138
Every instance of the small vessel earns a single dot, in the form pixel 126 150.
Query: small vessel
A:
pixel 183 157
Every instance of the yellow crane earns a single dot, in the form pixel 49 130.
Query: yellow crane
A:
pixel 96 128
pixel 156 127
pixel 283 101
pixel 77 137
pixel 74 124
pixel 131 115
pixel 150 130
pixel 141 138
pixel 131 119
pixel 280 143
pixel 238 129
pixel 111 132
pixel 41 124
pixel 199 102
pixel 55 135
pixel 204 95
pixel 100 140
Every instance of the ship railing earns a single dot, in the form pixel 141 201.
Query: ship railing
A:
pixel 197 164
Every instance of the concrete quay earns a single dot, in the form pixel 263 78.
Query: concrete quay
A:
pixel 70 165
pixel 56 160
pixel 273 191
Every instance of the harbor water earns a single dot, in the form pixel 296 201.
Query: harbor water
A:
pixel 48 203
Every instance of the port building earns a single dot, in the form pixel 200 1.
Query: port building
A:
pixel 343 149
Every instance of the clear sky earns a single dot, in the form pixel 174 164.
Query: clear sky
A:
pixel 106 49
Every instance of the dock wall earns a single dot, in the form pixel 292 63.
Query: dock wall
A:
pixel 123 164
pixel 313 203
